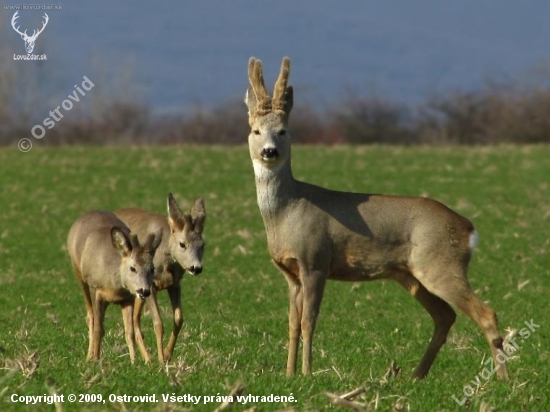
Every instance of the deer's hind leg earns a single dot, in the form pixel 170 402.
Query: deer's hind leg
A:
pixel 442 314
pixel 450 284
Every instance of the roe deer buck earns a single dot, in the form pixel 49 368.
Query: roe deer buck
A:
pixel 111 267
pixel 315 234
pixel 181 250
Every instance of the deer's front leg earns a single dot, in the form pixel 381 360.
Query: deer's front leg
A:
pixel 99 307
pixel 174 292
pixel 89 314
pixel 313 286
pixel 294 322
pixel 138 307
pixel 157 323
pixel 128 319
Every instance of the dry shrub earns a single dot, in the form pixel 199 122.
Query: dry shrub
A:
pixel 514 111
pixel 371 120
pixel 225 124
pixel 310 127
pixel 498 113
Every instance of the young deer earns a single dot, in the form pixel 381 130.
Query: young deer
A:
pixel 111 267
pixel 315 234
pixel 181 249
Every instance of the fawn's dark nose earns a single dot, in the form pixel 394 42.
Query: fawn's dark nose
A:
pixel 195 270
pixel 269 153
pixel 143 293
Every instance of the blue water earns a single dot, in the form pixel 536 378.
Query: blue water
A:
pixel 174 54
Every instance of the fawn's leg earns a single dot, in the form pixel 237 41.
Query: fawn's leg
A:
pixel 138 308
pixel 128 319
pixel 174 293
pixel 89 314
pixel 98 331
pixel 157 323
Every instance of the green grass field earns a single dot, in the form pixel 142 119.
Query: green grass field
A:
pixel 236 311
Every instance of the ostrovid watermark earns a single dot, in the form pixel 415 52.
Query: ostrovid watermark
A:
pixel 24 145
pixel 508 349
pixel 38 131
pixel 66 104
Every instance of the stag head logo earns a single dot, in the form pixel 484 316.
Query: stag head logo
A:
pixel 29 40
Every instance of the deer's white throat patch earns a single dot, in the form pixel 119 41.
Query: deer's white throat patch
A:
pixel 267 198
pixel 262 171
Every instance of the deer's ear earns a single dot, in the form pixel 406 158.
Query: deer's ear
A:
pixel 158 239
pixel 175 215
pixel 288 99
pixel 121 242
pixel 188 221
pixel 153 241
pixel 199 223
pixel 250 100
pixel 198 214
pixel 198 207
pixel 23 36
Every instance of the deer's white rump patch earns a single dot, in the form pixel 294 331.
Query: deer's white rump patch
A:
pixel 474 239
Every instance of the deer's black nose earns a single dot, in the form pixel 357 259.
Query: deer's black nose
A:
pixel 195 270
pixel 143 293
pixel 269 153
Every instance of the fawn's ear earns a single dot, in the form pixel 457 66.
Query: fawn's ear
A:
pixel 198 214
pixel 153 241
pixel 187 221
pixel 121 242
pixel 176 218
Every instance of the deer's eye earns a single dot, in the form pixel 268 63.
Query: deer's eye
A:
pixel 133 269
pixel 282 132
pixel 182 245
pixel 256 132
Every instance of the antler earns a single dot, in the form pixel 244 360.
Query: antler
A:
pixel 280 91
pixel 256 78
pixel 258 101
pixel 13 19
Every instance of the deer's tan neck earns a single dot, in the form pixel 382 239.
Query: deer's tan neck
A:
pixel 274 188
